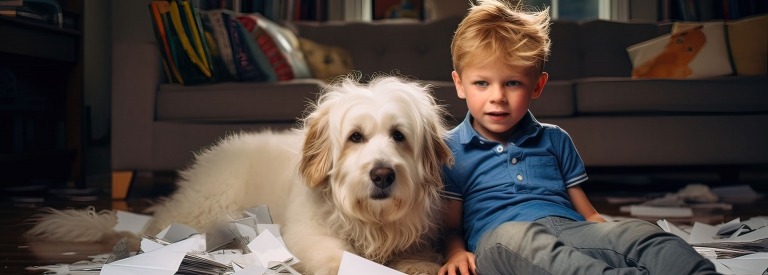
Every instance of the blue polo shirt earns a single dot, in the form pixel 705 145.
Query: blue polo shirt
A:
pixel 525 181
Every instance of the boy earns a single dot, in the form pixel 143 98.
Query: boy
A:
pixel 515 204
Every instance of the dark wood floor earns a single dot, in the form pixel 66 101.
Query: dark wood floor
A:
pixel 17 253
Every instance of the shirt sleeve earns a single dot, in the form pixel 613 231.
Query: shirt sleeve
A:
pixel 572 166
pixel 451 191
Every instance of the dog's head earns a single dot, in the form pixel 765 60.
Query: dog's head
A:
pixel 376 148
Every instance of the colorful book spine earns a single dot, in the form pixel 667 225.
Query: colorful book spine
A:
pixel 221 33
pixel 160 11
pixel 192 54
pixel 194 28
pixel 245 61
pixel 212 46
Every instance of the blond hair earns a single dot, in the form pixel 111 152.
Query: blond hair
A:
pixel 496 30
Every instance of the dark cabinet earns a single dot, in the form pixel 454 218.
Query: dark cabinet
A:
pixel 41 101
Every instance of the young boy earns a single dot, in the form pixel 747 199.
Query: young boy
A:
pixel 515 204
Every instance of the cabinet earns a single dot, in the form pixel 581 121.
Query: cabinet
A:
pixel 41 101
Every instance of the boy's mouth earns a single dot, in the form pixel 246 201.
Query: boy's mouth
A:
pixel 497 115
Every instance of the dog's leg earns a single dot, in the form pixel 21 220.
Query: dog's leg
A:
pixel 319 253
pixel 308 236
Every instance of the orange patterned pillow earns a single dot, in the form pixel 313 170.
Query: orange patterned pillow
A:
pixel 692 50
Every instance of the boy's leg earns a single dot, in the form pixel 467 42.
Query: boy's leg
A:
pixel 631 243
pixel 530 248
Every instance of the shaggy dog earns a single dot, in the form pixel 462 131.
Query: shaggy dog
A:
pixel 362 175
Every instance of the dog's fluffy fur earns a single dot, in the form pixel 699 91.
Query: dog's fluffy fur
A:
pixel 362 174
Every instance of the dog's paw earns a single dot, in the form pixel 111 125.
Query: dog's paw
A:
pixel 319 266
pixel 326 271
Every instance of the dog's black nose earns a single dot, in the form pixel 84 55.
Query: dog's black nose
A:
pixel 382 177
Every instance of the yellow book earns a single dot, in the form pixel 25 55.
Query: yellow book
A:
pixel 186 44
pixel 159 10
pixel 195 32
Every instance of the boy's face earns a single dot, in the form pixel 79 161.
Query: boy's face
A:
pixel 498 95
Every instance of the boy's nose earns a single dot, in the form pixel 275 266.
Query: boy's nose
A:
pixel 497 95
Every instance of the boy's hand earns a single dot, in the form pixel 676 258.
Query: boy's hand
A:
pixel 459 263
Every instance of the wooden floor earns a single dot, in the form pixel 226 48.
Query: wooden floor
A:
pixel 17 253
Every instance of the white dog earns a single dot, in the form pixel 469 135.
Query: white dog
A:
pixel 361 175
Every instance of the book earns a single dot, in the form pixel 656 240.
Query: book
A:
pixel 41 11
pixel 221 35
pixel 193 25
pixel 160 9
pixel 176 52
pixel 14 3
pixel 8 11
pixel 212 44
pixel 253 52
pixel 245 61
pixel 183 33
pixel 275 58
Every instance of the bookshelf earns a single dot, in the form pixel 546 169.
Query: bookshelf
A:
pixel 41 101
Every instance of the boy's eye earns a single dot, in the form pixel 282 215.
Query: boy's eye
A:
pixel 512 83
pixel 481 83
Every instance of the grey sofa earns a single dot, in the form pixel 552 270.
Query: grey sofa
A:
pixel 615 121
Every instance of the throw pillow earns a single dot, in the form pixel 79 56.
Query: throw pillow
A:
pixel 288 43
pixel 692 50
pixel 326 62
pixel 748 39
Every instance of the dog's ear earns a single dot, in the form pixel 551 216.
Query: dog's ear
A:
pixel 436 152
pixel 316 159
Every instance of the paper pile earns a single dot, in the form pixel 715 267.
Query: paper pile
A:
pixel 734 247
pixel 683 203
pixel 250 245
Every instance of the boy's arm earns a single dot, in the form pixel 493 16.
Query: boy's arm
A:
pixel 457 259
pixel 583 206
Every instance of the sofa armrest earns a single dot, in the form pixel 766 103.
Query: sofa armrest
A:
pixel 136 74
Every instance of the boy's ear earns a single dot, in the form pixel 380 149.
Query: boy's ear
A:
pixel 457 83
pixel 543 77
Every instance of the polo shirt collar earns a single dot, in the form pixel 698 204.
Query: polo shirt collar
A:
pixel 530 127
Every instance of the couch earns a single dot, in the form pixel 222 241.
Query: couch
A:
pixel 615 121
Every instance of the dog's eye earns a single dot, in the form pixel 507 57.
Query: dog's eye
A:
pixel 356 137
pixel 398 136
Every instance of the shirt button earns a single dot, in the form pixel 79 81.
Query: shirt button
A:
pixel 514 161
pixel 520 177
pixel 499 148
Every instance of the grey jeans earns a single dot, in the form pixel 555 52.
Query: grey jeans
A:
pixel 556 245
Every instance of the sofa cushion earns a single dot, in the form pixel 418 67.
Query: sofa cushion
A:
pixel 419 50
pixel 557 100
pixel 256 102
pixel 748 40
pixel 604 45
pixel 565 57
pixel 732 94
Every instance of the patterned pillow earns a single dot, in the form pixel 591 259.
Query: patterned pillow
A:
pixel 692 50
